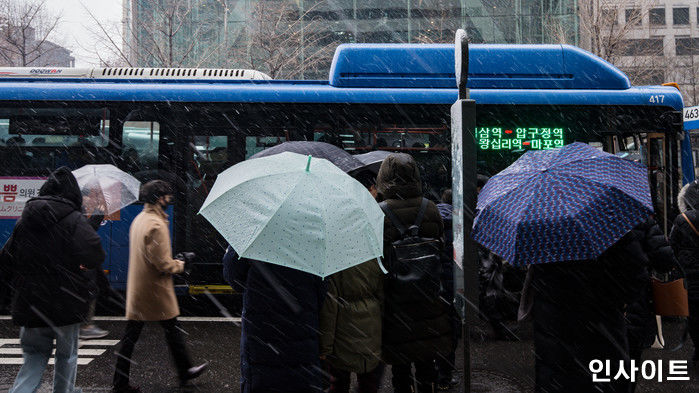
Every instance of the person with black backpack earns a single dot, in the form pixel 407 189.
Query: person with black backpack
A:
pixel 416 325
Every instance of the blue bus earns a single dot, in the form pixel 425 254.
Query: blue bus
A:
pixel 187 125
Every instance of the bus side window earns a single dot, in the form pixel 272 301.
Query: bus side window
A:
pixel 255 144
pixel 140 146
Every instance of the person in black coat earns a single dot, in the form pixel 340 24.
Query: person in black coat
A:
pixel 279 344
pixel 685 243
pixel 640 315
pixel 579 308
pixel 417 327
pixel 48 262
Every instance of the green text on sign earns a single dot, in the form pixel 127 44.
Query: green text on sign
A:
pixel 519 138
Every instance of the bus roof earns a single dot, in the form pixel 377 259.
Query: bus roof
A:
pixel 491 66
pixel 388 73
pixel 314 93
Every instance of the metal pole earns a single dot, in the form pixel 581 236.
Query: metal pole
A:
pixel 463 115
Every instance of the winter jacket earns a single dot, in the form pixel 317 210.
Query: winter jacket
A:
pixel 350 320
pixel 279 345
pixel 640 314
pixel 150 292
pixel 579 310
pixel 685 243
pixel 416 327
pixel 50 243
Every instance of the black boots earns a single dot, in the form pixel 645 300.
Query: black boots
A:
pixel 194 372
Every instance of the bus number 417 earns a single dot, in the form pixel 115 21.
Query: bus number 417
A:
pixel 657 99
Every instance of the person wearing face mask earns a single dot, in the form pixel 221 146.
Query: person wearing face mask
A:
pixel 150 292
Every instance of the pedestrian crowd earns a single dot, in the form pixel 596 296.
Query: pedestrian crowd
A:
pixel 305 333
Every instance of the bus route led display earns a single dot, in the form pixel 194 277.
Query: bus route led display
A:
pixel 519 138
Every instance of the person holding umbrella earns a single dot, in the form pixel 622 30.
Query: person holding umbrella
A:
pixel 297 220
pixel 580 217
pixel 106 189
pixel 279 340
pixel 94 209
pixel 684 239
pixel 350 320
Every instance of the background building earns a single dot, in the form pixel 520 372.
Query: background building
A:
pixel 652 41
pixel 26 50
pixel 240 33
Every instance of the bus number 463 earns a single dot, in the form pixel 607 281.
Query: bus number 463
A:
pixel 657 99
pixel 691 114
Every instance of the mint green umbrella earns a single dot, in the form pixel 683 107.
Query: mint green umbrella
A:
pixel 294 211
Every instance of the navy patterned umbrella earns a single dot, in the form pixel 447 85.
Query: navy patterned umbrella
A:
pixel 565 204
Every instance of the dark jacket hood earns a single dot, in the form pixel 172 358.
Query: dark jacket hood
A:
pixel 61 183
pixel 58 197
pixel 399 177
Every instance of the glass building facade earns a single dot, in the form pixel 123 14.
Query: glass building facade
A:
pixel 221 28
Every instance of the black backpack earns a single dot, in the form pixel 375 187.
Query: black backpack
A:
pixel 414 262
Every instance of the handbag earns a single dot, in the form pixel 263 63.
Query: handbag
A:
pixel 670 298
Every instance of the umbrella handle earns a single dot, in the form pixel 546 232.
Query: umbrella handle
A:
pixel 308 164
pixel 383 269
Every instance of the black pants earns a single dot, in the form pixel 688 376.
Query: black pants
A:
pixel 366 383
pixel 174 338
pixel 446 367
pixel 425 376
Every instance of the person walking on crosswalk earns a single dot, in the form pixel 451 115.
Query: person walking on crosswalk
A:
pixel 150 292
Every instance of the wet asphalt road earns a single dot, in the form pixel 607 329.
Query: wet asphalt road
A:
pixel 499 366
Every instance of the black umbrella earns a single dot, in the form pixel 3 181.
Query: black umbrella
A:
pixel 688 197
pixel 373 159
pixel 159 174
pixel 332 153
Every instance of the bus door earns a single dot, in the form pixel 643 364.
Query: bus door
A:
pixel 207 155
pixel 658 176
pixel 140 152
pixel 649 149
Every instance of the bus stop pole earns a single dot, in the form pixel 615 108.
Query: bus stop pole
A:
pixel 464 179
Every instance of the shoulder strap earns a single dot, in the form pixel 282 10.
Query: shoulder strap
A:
pixel 392 217
pixel 421 212
pixel 690 224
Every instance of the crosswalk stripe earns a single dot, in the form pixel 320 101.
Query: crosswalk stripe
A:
pixel 97 343
pixel 11 354
pixel 20 361
pixel 81 352
pixel 82 343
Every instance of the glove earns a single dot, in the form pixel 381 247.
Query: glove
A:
pixel 188 258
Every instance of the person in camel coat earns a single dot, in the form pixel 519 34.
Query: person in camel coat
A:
pixel 150 292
